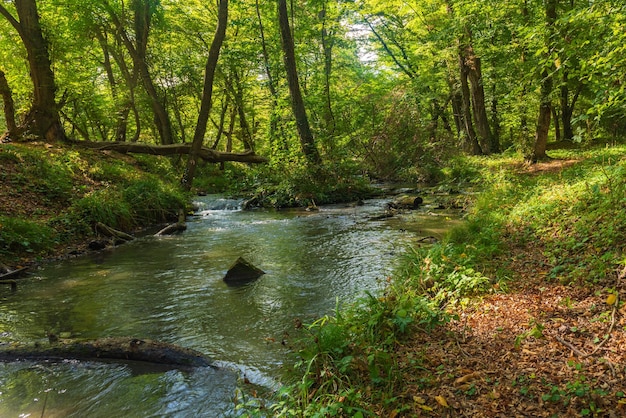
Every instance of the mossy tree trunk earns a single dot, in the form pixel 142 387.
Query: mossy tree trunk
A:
pixel 307 142
pixel 42 121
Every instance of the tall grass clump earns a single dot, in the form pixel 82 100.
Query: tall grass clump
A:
pixel 151 200
pixel 20 236
pixel 107 206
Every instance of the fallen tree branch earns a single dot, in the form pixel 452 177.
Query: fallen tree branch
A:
pixel 207 154
pixel 113 233
pixel 582 354
pixel 13 274
pixel 571 347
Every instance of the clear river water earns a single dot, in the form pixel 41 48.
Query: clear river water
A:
pixel 171 289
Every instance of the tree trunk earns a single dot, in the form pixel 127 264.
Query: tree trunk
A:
pixel 543 120
pixel 275 127
pixel 307 142
pixel 327 47
pixel 470 142
pixel 567 108
pixel 486 138
pixel 9 106
pixel 207 93
pixel 43 119
pixel 138 53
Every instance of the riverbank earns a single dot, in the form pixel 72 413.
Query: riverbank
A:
pixel 52 196
pixel 517 313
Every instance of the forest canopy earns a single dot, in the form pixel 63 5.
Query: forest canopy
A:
pixel 392 84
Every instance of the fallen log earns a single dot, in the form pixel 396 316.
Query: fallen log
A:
pixel 113 233
pixel 116 348
pixel 207 154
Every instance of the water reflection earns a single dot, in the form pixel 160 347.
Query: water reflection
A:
pixel 171 289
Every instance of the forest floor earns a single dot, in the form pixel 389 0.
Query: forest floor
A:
pixel 539 350
pixel 535 349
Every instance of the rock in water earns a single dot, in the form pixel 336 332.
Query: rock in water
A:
pixel 242 272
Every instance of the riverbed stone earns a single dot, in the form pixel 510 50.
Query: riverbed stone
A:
pixel 242 272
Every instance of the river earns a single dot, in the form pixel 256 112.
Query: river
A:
pixel 171 289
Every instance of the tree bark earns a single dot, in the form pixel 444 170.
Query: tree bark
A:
pixel 567 107
pixel 207 93
pixel 307 141
pixel 543 121
pixel 470 142
pixel 477 91
pixel 43 119
pixel 327 47
pixel 206 154
pixel 9 105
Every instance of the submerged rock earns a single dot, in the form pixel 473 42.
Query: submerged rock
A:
pixel 242 272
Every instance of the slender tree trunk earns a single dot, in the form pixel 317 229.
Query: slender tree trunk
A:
pixel 543 120
pixel 236 90
pixel 307 142
pixel 207 95
pixel 327 46
pixel 9 106
pixel 138 52
pixel 470 142
pixel 567 107
pixel 486 138
pixel 275 127
pixel 43 119
pixel 557 125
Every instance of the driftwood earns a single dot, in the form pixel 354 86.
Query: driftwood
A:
pixel 13 274
pixel 122 348
pixel 242 272
pixel 113 233
pixel 207 154
pixel 174 228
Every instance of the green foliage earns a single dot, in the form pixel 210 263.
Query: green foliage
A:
pixel 107 206
pixel 19 236
pixel 152 201
pixel 297 185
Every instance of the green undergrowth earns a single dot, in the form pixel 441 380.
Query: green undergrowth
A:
pixel 571 212
pixel 54 195
pixel 296 184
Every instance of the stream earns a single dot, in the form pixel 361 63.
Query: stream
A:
pixel 171 289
